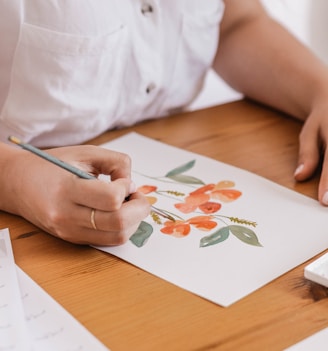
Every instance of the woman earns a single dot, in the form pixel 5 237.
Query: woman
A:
pixel 71 70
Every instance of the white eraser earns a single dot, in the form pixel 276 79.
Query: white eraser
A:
pixel 317 271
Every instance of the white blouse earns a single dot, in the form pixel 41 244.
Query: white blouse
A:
pixel 70 70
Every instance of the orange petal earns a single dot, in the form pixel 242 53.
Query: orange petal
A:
pixel 206 225
pixel 210 207
pixel 185 208
pixel 151 199
pixel 197 199
pixel 146 189
pixel 179 230
pixel 203 189
pixel 224 184
pixel 198 219
pixel 226 195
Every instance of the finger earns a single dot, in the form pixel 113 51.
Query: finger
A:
pixel 74 223
pixel 113 163
pixel 98 159
pixel 309 153
pixel 100 194
pixel 130 213
pixel 115 228
pixel 323 184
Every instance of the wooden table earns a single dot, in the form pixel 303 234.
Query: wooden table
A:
pixel 129 309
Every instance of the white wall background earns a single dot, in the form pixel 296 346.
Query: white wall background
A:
pixel 306 19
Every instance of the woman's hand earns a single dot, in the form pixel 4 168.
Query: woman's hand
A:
pixel 313 149
pixel 62 204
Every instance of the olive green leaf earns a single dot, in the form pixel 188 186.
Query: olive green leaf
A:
pixel 244 234
pixel 141 236
pixel 181 169
pixel 215 238
pixel 181 178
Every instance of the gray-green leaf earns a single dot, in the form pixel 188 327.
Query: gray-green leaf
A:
pixel 182 178
pixel 141 236
pixel 245 234
pixel 215 238
pixel 181 169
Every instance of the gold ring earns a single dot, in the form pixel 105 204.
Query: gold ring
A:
pixel 92 219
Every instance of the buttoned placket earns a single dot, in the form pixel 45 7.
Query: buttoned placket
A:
pixel 147 10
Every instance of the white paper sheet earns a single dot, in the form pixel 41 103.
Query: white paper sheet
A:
pixel 13 331
pixel 291 228
pixel 30 319
pixel 316 342
pixel 50 326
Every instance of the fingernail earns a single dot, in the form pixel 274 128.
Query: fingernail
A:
pixel 133 187
pixel 325 198
pixel 299 169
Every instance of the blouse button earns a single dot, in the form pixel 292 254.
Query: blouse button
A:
pixel 150 88
pixel 146 8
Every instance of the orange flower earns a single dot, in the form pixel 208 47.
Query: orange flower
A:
pixel 180 229
pixel 199 199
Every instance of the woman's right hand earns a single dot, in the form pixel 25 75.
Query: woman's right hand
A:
pixel 81 211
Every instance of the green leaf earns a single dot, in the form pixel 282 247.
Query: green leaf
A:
pixel 181 169
pixel 141 236
pixel 181 178
pixel 215 238
pixel 244 234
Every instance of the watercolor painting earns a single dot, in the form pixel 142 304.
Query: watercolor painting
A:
pixel 202 205
pixel 225 232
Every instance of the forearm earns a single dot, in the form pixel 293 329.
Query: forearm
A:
pixel 260 59
pixel 8 178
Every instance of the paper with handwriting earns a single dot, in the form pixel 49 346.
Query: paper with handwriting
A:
pixel 35 320
pixel 13 329
pixel 232 231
